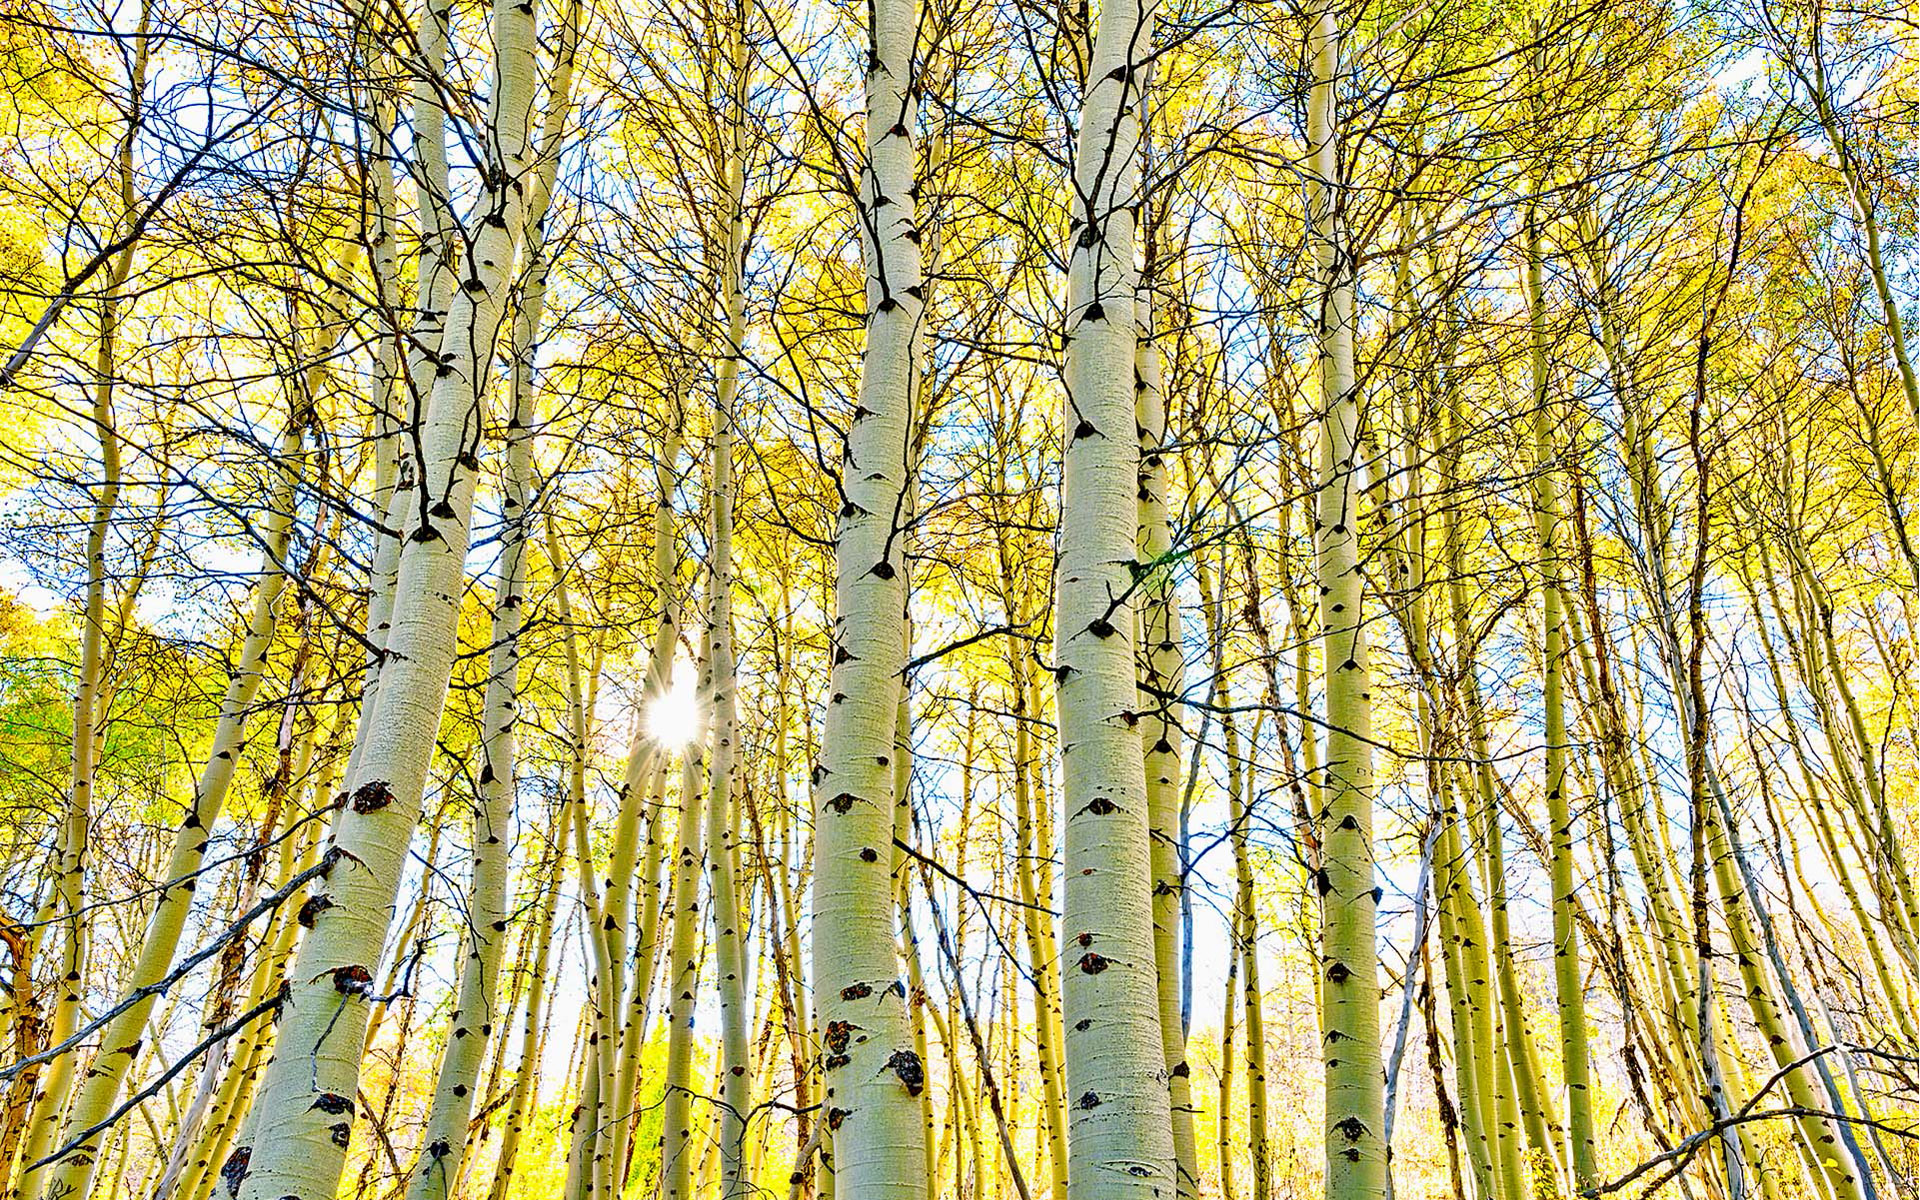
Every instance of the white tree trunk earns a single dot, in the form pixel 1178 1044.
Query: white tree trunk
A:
pixel 121 1038
pixel 309 1092
pixel 729 938
pixel 1120 1131
pixel 873 1074
pixel 1356 1152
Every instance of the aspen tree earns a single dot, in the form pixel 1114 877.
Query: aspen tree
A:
pixel 200 1171
pixel 1568 985
pixel 308 1093
pixel 722 821
pixel 873 1076
pixel 121 1038
pixel 1120 1131
pixel 1492 1149
pixel 1043 952
pixel 1242 920
pixel 1355 1108
pixel 677 1148
pixel 295 758
pixel 1160 668
pixel 523 1097
pixel 1034 842
pixel 398 466
pixel 478 1006
pixel 1475 1055
pixel 69 887
pixel 1223 1117
pixel 642 799
pixel 643 783
pixel 589 1162
pixel 1810 66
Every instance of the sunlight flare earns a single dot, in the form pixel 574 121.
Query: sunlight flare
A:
pixel 674 718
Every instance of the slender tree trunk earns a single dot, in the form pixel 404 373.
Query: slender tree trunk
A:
pixel 677 1148
pixel 121 1038
pixel 1568 985
pixel 736 1082
pixel 873 1074
pixel 526 1080
pixel 309 1090
pixel 1356 1153
pixel 1160 685
pixel 643 786
pixel 1043 950
pixel 69 887
pixel 1120 1129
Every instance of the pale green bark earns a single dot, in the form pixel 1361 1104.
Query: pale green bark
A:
pixel 308 1093
pixel 589 1172
pixel 526 1080
pixel 1160 684
pixel 120 1039
pixel 1356 1153
pixel 1566 938
pixel 1043 951
pixel 69 886
pixel 1120 1130
pixel 736 1081
pixel 873 1075
pixel 642 797
pixel 1475 1053
pixel 678 1152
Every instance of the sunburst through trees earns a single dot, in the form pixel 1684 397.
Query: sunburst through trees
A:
pixel 1162 599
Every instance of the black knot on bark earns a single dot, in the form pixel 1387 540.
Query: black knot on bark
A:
pixel 1089 1101
pixel 906 1064
pixel 1093 963
pixel 352 980
pixel 313 907
pixel 372 796
pixel 1338 972
pixel 234 1172
pixel 333 1104
pixel 858 991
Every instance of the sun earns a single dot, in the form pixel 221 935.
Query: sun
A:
pixel 674 719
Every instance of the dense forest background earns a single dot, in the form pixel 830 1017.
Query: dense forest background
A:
pixel 971 598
